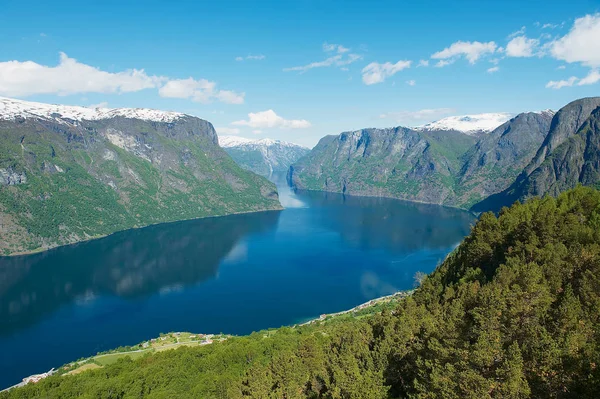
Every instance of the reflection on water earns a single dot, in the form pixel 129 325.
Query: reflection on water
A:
pixel 324 253
pixel 138 262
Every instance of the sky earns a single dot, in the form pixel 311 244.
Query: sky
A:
pixel 300 70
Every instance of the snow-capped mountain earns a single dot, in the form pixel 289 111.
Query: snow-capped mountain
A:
pixel 469 124
pixel 262 156
pixel 11 109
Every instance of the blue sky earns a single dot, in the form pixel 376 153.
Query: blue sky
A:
pixel 316 67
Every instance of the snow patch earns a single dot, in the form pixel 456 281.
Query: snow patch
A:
pixel 469 124
pixel 236 141
pixel 11 109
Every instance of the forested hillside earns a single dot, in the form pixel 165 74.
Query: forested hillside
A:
pixel 513 312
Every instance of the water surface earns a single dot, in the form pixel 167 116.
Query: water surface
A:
pixel 236 274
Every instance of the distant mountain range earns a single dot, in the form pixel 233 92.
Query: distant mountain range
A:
pixel 478 162
pixel 72 173
pixel 262 156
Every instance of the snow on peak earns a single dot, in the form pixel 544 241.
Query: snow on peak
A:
pixel 12 108
pixel 236 141
pixel 469 124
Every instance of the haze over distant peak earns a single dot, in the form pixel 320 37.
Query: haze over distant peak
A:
pixel 237 141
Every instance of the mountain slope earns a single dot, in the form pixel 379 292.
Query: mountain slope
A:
pixel 496 160
pixel 396 162
pixel 70 173
pixel 264 156
pixel 444 166
pixel 513 312
pixel 555 166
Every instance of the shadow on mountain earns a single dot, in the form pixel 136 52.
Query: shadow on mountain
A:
pixel 389 224
pixel 127 264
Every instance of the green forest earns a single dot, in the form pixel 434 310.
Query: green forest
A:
pixel 513 312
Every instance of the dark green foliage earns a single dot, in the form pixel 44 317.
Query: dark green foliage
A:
pixel 514 312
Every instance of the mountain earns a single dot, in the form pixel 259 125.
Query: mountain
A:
pixel 72 173
pixel 456 161
pixel 468 124
pixel 263 156
pixel 513 312
pixel 567 156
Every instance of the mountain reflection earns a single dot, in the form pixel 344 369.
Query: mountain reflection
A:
pixel 389 224
pixel 129 264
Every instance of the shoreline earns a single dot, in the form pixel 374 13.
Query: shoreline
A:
pixel 93 238
pixel 194 339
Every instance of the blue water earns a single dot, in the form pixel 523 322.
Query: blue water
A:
pixel 237 274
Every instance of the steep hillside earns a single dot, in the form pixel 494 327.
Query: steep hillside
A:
pixel 496 160
pixel 558 162
pixel 513 312
pixel 264 156
pixel 71 173
pixel 397 162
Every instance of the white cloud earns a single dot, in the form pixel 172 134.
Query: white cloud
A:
pixel 561 67
pixel 335 47
pixel 251 58
pixel 552 26
pixel 520 32
pixel 559 84
pixel 521 46
pixel 443 63
pixel 591 78
pixel 411 82
pixel 341 59
pixel 377 73
pixel 493 69
pixel 423 63
pixel 337 60
pixel 21 79
pixel 418 116
pixel 69 77
pixel 202 91
pixel 102 104
pixel 269 119
pixel 472 51
pixel 227 130
pixel 581 44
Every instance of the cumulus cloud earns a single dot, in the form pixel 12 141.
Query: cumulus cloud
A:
pixel 418 116
pixel 581 44
pixel 227 130
pixel 377 73
pixel 493 69
pixel 521 46
pixel 559 84
pixel 69 77
pixel 251 58
pixel 592 78
pixel 22 79
pixel 202 91
pixel 269 119
pixel 423 63
pixel 472 51
pixel 443 63
pixel 411 82
pixel 342 58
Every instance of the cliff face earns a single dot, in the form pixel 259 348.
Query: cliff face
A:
pixel 398 162
pixel 68 175
pixel 445 167
pixel 566 157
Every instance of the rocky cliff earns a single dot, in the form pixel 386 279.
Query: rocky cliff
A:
pixel 70 173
